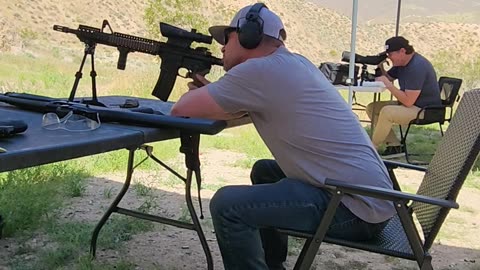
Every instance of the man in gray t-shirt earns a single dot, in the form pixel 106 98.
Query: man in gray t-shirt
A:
pixel 418 88
pixel 311 132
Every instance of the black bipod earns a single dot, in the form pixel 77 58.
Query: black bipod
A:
pixel 189 146
pixel 89 50
pixel 363 77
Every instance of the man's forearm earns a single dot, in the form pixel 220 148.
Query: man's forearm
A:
pixel 214 115
pixel 401 96
pixel 198 103
pixel 397 93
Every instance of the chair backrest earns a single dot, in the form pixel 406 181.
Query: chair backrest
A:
pixel 449 88
pixel 450 165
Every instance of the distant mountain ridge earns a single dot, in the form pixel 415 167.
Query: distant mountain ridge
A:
pixel 385 11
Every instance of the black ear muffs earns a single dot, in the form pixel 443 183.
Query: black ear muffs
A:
pixel 250 34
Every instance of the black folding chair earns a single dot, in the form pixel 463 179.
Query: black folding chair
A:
pixel 431 204
pixel 449 88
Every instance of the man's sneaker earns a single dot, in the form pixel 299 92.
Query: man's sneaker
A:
pixel 393 151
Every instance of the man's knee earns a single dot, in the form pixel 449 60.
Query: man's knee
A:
pixel 222 200
pixel 260 170
pixel 378 106
pixel 389 113
pixel 369 109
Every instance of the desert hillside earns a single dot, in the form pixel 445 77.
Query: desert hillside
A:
pixel 319 33
pixel 411 10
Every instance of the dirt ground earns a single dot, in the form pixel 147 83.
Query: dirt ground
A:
pixel 166 247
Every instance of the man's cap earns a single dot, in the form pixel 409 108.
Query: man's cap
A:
pixel 396 43
pixel 272 25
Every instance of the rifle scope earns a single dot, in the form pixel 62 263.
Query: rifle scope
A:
pixel 168 30
pixel 368 60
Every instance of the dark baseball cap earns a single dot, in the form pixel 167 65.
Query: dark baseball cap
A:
pixel 396 43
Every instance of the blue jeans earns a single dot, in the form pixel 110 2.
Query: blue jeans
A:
pixel 243 217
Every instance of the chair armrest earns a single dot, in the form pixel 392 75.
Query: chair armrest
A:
pixel 427 108
pixel 430 107
pixel 386 194
pixel 434 107
pixel 396 164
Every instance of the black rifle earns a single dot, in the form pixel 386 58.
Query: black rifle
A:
pixel 366 60
pixel 61 107
pixel 176 53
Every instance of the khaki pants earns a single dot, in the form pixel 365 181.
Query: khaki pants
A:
pixel 388 113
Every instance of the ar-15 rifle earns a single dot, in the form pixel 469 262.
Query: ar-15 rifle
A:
pixel 61 107
pixel 176 53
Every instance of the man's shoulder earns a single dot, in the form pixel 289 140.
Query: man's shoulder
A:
pixel 420 56
pixel 420 59
pixel 418 63
pixel 280 61
pixel 280 52
pixel 251 67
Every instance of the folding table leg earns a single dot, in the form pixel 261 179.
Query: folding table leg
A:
pixel 190 149
pixel 114 206
pixel 376 99
pixel 195 225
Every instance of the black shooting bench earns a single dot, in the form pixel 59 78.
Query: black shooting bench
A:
pixel 38 146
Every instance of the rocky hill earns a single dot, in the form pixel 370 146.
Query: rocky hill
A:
pixel 312 30
pixel 321 34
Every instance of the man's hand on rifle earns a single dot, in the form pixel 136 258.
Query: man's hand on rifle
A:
pixel 382 67
pixel 385 80
pixel 198 81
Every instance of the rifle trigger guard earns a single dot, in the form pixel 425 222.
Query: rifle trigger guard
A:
pixel 188 75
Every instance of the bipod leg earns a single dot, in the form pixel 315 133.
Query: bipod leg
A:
pixel 93 74
pixel 189 146
pixel 196 221
pixel 114 206
pixel 89 49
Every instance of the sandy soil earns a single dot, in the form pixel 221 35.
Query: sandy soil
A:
pixel 166 247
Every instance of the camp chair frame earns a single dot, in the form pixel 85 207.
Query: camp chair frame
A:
pixel 431 204
pixel 449 92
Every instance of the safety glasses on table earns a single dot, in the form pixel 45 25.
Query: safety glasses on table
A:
pixel 71 121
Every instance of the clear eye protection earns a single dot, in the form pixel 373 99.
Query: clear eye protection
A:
pixel 71 122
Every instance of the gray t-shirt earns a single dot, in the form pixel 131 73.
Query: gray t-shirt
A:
pixel 418 74
pixel 306 124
